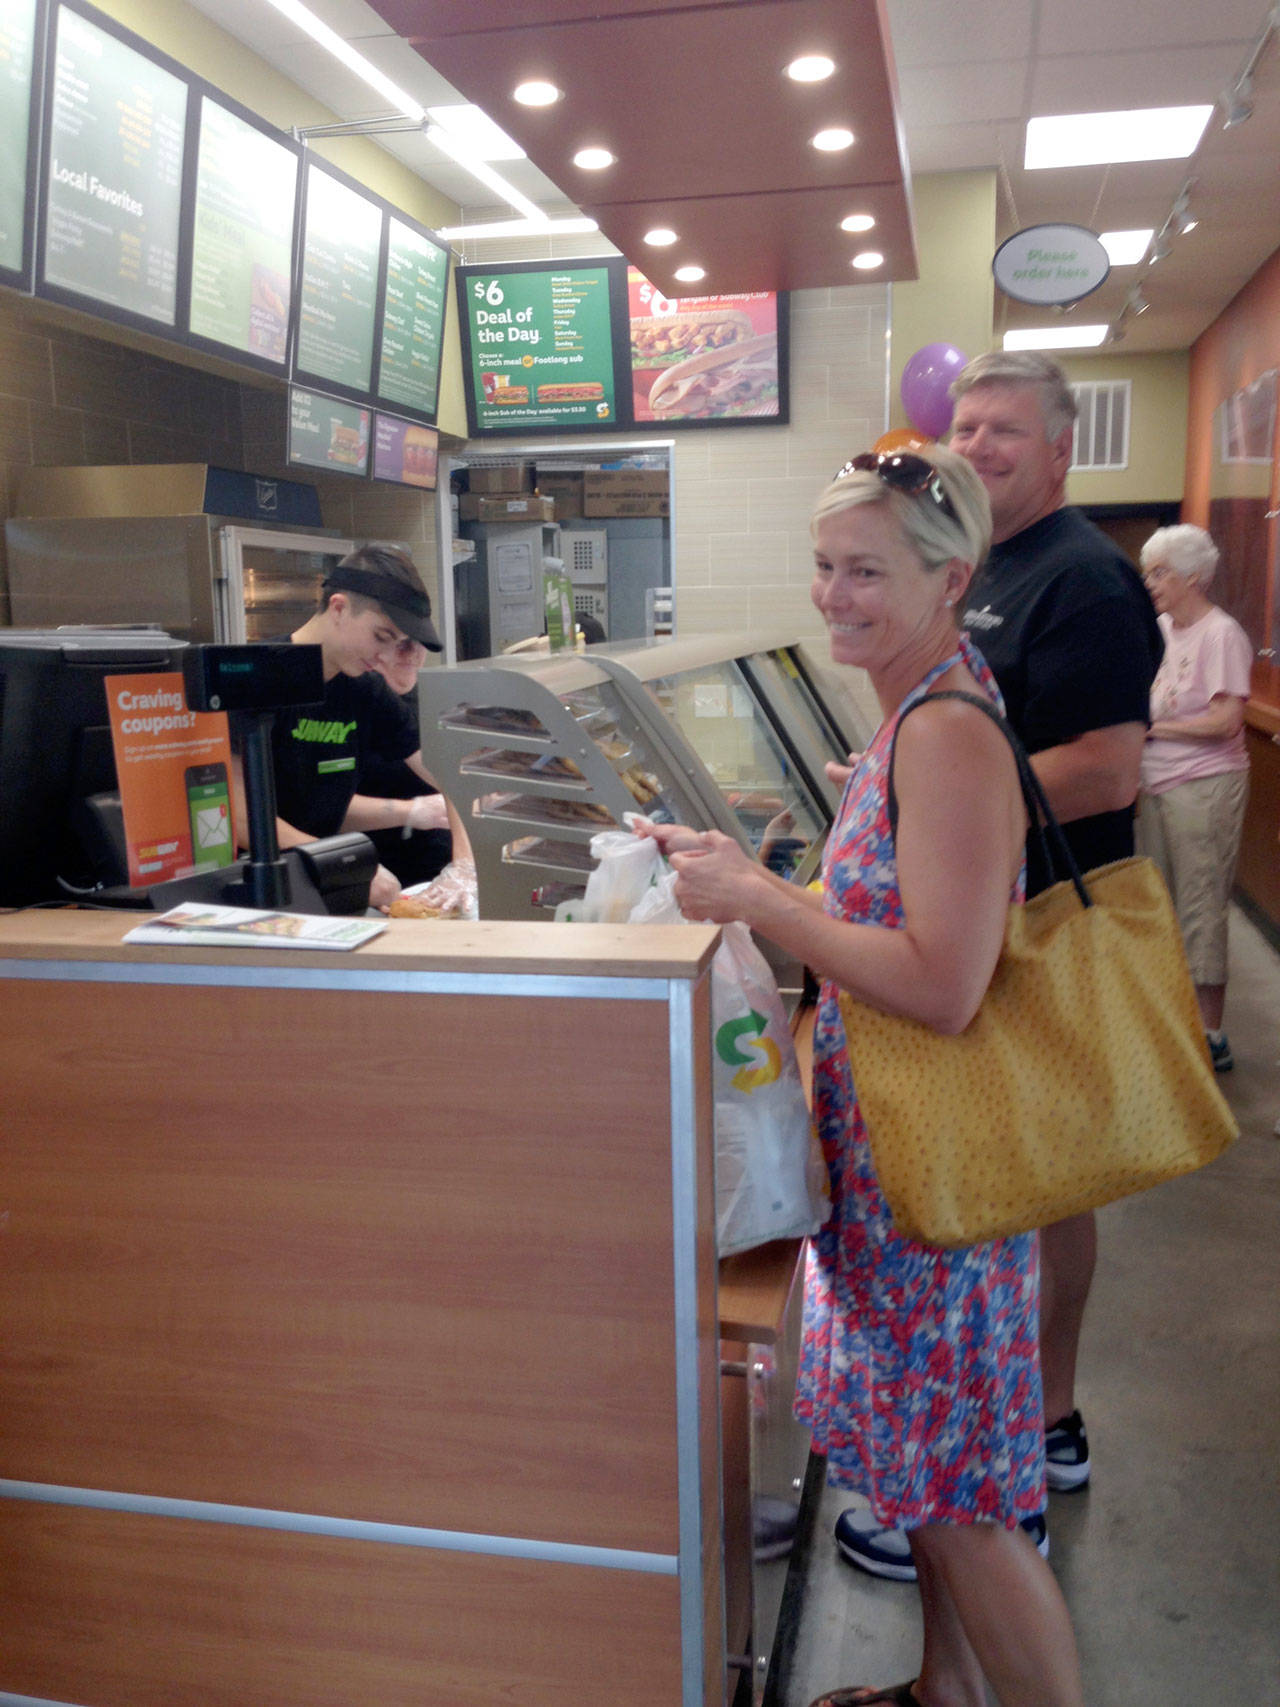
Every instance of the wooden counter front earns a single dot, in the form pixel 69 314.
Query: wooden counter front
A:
pixel 410 1248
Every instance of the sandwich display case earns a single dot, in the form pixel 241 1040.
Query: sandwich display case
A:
pixel 540 754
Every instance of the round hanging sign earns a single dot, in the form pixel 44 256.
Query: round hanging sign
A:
pixel 1050 264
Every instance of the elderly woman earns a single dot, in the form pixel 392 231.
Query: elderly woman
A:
pixel 1195 771
pixel 919 1370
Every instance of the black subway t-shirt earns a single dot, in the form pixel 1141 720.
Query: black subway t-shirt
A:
pixel 323 753
pixel 1062 618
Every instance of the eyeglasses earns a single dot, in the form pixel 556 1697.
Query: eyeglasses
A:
pixel 902 471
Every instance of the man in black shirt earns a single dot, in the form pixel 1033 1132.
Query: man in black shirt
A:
pixel 325 756
pixel 1071 636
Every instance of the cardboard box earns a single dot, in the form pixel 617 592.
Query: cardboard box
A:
pixel 528 507
pixel 565 488
pixel 513 477
pixel 625 492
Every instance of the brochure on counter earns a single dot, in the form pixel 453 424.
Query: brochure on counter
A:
pixel 245 927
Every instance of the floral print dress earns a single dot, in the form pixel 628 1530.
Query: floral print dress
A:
pixel 919 1371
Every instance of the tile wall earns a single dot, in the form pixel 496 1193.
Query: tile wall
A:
pixel 67 397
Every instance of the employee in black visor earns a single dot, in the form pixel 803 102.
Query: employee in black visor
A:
pixel 372 603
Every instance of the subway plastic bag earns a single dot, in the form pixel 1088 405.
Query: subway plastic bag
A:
pixel 771 1179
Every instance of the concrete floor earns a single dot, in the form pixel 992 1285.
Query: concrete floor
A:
pixel 1170 1559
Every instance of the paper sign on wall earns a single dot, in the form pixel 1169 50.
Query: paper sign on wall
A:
pixel 174 770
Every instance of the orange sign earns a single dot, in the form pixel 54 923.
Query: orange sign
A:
pixel 174 770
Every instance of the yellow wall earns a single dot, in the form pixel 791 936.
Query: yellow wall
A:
pixel 194 41
pixel 952 300
pixel 1157 427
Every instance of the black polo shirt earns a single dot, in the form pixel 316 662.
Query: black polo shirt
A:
pixel 324 754
pixel 1070 633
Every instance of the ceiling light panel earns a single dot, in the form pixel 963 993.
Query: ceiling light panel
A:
pixel 476 132
pixel 1055 338
pixel 811 68
pixel 1126 248
pixel 1107 139
pixel 351 57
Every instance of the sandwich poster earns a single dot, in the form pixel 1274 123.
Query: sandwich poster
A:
pixel 703 358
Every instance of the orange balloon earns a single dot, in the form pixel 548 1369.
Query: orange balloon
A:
pixel 901 438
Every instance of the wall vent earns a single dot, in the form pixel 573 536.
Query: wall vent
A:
pixel 1101 438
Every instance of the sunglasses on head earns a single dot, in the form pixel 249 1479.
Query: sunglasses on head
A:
pixel 902 471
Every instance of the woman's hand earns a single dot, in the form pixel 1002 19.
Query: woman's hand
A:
pixel 671 838
pixel 714 881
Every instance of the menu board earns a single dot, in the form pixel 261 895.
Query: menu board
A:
pixel 242 236
pixel 412 318
pixel 702 358
pixel 592 346
pixel 405 452
pixel 325 432
pixel 17 65
pixel 539 345
pixel 341 250
pixel 113 173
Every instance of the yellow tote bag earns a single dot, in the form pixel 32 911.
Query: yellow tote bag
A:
pixel 1084 1076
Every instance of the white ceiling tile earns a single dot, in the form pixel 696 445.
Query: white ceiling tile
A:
pixel 940 32
pixel 1102 27
pixel 946 95
pixel 1116 82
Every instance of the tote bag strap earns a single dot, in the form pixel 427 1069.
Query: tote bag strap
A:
pixel 1058 857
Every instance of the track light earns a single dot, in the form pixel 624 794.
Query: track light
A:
pixel 1136 302
pixel 1160 247
pixel 1237 103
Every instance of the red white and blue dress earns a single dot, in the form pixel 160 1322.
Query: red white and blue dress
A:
pixel 919 1371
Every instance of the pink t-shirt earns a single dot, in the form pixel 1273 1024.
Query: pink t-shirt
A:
pixel 1212 656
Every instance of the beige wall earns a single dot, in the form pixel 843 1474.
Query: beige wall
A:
pixel 951 302
pixel 743 495
pixel 1157 428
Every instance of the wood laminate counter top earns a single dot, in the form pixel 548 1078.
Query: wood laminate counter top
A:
pixel 407 945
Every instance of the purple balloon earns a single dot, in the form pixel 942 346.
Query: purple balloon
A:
pixel 926 379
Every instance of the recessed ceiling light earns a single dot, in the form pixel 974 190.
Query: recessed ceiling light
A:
pixel 1126 248
pixel 857 222
pixel 1106 139
pixel 811 68
pixel 832 141
pixel 690 275
pixel 1055 338
pixel 593 159
pixel 536 94
pixel 868 260
pixel 661 237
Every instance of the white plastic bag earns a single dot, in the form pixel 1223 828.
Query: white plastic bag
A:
pixel 771 1179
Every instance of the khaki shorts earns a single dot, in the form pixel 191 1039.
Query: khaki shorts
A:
pixel 1192 832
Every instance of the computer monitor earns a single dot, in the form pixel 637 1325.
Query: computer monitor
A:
pixel 61 836
pixel 56 756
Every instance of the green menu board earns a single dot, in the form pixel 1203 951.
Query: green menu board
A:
pixel 114 172
pixel 17 44
pixel 539 347
pixel 413 319
pixel 341 248
pixel 242 236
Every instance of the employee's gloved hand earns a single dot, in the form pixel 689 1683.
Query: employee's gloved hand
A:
pixel 384 889
pixel 454 891
pixel 427 812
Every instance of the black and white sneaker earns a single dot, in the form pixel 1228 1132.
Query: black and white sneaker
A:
pixel 1066 1454
pixel 865 1542
pixel 1220 1051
